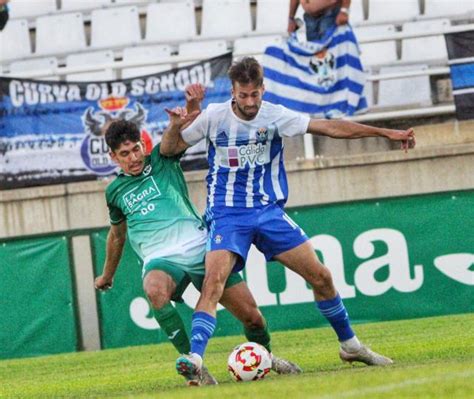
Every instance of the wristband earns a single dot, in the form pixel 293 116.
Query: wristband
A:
pixel 345 10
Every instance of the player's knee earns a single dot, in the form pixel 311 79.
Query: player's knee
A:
pixel 157 297
pixel 254 320
pixel 321 278
pixel 213 286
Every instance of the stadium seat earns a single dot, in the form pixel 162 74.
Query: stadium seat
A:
pixel 15 40
pixel 29 8
pixel 272 16
pixel 404 91
pixel 171 21
pixel 60 33
pixel 83 5
pixel 139 2
pixel 225 18
pixel 444 8
pixel 393 10
pixel 425 48
pixel 36 64
pixel 115 27
pixel 377 53
pixel 356 12
pixel 92 58
pixel 255 45
pixel 144 54
pixel 369 90
pixel 201 50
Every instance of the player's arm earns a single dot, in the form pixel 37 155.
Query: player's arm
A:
pixel 172 142
pixel 114 247
pixel 351 130
pixel 291 16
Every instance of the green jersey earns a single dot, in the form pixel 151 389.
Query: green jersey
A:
pixel 161 220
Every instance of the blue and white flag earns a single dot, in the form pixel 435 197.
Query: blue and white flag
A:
pixel 323 78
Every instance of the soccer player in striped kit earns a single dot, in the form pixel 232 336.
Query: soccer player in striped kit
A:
pixel 247 190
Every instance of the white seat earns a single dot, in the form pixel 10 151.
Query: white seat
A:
pixel 404 91
pixel 225 18
pixel 29 8
pixel 171 21
pixel 443 8
pixel 37 64
pixel 115 27
pixel 143 54
pixel 425 48
pixel 60 33
pixel 15 40
pixel 377 53
pixel 92 58
pixel 134 1
pixel 272 16
pixel 83 5
pixel 201 50
pixel 356 12
pixel 393 10
pixel 255 45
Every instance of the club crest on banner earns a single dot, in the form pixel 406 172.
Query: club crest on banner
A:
pixel 323 64
pixel 94 150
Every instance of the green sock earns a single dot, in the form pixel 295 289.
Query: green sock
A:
pixel 260 336
pixel 171 323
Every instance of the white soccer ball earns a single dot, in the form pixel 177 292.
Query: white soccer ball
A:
pixel 249 362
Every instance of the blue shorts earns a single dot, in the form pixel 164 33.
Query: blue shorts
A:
pixel 269 228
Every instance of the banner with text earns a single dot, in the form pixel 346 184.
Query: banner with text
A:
pixel 52 132
pixel 391 259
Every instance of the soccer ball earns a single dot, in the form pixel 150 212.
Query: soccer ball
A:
pixel 249 362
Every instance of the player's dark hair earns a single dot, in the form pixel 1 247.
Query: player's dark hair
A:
pixel 246 70
pixel 119 132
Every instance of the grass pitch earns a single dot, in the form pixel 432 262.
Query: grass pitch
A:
pixel 434 358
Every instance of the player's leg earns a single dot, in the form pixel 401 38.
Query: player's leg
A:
pixel 238 300
pixel 227 247
pixel 159 288
pixel 164 282
pixel 283 240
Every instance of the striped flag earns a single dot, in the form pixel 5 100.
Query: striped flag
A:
pixel 323 78
pixel 461 62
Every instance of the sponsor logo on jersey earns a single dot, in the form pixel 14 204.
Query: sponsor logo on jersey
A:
pixel 251 154
pixel 140 195
pixel 218 239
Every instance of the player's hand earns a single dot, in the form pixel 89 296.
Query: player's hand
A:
pixel 194 93
pixel 180 117
pixel 102 283
pixel 406 138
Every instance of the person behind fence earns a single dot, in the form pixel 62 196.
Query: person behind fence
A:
pixel 149 203
pixel 247 190
pixel 319 16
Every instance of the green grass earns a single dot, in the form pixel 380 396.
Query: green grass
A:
pixel 434 358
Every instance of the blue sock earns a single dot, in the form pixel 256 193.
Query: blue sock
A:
pixel 203 326
pixel 335 312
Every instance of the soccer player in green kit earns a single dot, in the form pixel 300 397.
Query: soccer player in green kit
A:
pixel 149 203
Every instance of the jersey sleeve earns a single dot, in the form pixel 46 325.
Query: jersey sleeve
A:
pixel 197 130
pixel 156 155
pixel 115 214
pixel 291 123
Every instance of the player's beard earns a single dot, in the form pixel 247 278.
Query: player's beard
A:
pixel 246 114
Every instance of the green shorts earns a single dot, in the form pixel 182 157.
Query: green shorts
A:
pixel 184 275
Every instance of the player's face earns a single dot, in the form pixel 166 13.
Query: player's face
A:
pixel 248 99
pixel 130 156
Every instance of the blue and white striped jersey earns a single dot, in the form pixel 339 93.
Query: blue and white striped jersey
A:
pixel 245 157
